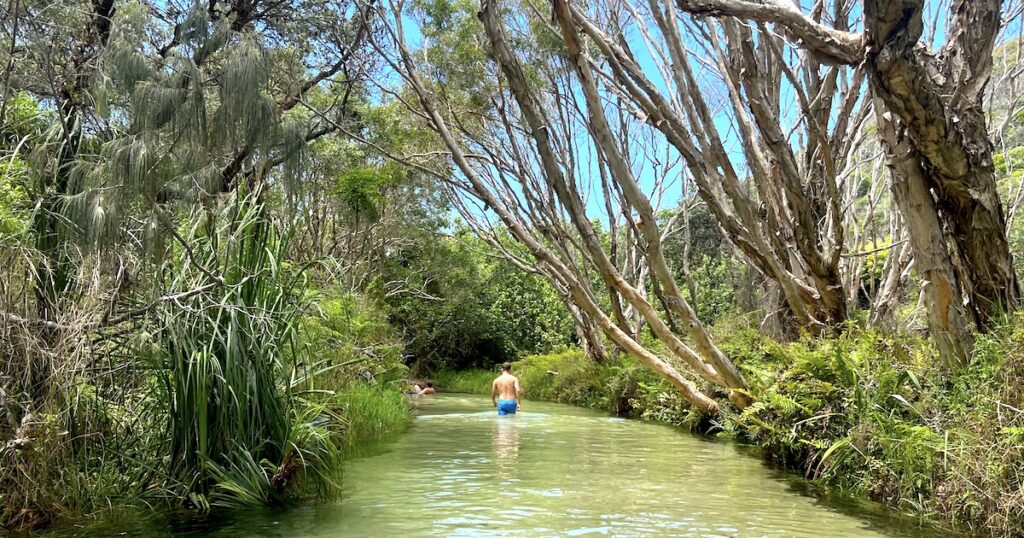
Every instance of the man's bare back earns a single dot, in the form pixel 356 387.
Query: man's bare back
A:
pixel 507 387
pixel 506 392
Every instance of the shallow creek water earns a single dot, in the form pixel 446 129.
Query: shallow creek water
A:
pixel 556 470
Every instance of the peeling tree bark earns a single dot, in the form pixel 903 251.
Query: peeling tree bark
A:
pixel 938 103
pixel 930 113
pixel 781 232
pixel 946 317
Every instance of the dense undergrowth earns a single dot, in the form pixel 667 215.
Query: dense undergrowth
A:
pixel 863 412
pixel 333 380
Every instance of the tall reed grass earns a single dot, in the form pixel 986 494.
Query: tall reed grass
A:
pixel 372 412
pixel 225 350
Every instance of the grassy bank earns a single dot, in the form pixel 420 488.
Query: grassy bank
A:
pixel 868 414
pixel 360 415
pixel 106 445
pixel 372 412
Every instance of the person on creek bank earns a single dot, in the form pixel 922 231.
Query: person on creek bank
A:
pixel 506 392
pixel 425 390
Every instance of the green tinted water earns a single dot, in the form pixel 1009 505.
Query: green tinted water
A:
pixel 556 470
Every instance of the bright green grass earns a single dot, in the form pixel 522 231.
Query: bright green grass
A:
pixel 371 412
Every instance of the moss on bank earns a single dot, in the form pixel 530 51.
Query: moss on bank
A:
pixel 870 414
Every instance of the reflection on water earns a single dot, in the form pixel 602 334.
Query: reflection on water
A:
pixel 557 471
pixel 506 445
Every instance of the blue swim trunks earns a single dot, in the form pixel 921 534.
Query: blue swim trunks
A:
pixel 506 407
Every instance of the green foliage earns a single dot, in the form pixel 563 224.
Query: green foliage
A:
pixel 705 236
pixel 529 312
pixel 261 396
pixel 14 198
pixel 21 128
pixel 466 307
pixel 227 352
pixel 355 368
pixel 474 381
pixel 361 190
pixel 371 412
pixel 345 336
pixel 444 315
pixel 714 280
pixel 873 413
pixel 1010 160
pixel 22 125
pixel 567 377
pixel 458 51
pixel 716 275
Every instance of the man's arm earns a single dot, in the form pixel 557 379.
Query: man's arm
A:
pixel 494 392
pixel 519 395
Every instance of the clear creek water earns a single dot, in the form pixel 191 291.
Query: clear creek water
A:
pixel 556 470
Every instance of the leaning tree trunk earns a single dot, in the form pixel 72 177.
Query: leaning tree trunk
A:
pixel 972 209
pixel 884 306
pixel 587 330
pixel 947 320
pixel 929 107
pixel 945 123
pixel 590 336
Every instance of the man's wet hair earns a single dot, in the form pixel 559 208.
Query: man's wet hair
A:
pixel 506 367
pixel 429 384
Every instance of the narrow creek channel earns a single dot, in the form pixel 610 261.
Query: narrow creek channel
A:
pixel 557 470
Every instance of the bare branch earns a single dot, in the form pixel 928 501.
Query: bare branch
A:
pixel 828 44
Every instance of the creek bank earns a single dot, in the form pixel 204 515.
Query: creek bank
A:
pixel 361 415
pixel 864 413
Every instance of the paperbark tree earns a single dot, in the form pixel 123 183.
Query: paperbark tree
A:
pixel 791 226
pixel 930 117
pixel 522 164
pixel 605 141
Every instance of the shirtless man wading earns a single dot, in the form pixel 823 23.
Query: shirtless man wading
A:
pixel 506 392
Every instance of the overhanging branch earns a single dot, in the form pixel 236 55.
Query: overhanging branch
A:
pixel 828 44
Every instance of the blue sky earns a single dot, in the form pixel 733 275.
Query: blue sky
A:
pixel 644 168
